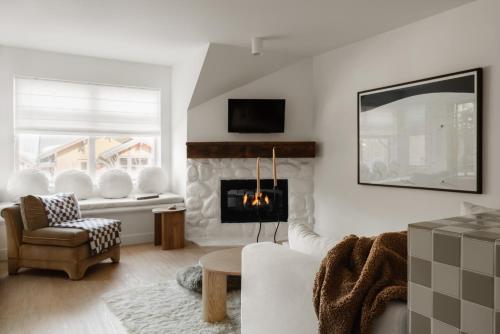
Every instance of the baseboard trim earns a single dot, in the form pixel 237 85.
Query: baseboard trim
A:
pixel 137 238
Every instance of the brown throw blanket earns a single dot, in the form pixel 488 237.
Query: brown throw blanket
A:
pixel 357 279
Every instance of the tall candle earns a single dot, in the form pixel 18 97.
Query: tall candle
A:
pixel 257 193
pixel 274 168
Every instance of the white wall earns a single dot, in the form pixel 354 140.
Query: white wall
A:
pixel 15 61
pixel 459 39
pixel 184 78
pixel 227 67
pixel 208 121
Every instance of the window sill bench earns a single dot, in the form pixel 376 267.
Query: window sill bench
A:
pixel 104 205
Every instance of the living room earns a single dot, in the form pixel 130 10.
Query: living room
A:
pixel 144 190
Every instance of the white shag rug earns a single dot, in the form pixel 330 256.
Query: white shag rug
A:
pixel 169 308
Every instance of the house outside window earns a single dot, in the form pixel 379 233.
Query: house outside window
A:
pixel 84 165
pixel 66 125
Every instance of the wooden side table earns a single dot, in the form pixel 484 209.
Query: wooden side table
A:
pixel 169 227
pixel 216 267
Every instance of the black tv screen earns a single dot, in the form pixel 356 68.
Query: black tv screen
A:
pixel 256 115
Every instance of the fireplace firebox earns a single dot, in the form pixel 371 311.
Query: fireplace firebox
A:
pixel 238 203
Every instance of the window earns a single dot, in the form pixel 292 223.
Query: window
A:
pixel 66 125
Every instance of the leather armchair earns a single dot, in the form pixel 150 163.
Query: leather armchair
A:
pixel 55 248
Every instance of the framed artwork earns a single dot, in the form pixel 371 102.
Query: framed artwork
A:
pixel 424 134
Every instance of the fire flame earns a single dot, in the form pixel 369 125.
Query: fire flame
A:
pixel 258 199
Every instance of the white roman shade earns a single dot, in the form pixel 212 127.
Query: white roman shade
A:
pixel 51 106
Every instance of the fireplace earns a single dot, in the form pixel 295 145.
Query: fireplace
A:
pixel 238 203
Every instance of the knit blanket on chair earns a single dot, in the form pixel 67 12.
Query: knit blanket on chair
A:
pixel 63 211
pixel 357 279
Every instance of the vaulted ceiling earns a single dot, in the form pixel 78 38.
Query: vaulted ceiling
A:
pixel 165 31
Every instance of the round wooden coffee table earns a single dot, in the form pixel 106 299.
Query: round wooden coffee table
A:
pixel 216 267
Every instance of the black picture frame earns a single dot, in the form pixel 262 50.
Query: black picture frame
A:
pixel 406 89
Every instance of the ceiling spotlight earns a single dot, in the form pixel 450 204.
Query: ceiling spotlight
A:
pixel 257 45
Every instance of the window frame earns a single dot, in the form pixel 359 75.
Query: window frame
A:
pixel 91 160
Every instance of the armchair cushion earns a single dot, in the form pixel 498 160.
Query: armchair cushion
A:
pixel 33 213
pixel 61 207
pixel 56 236
pixel 302 238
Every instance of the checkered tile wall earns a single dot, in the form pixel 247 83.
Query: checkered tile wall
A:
pixel 454 275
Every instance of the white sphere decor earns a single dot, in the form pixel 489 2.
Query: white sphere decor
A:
pixel 152 180
pixel 74 181
pixel 27 182
pixel 115 183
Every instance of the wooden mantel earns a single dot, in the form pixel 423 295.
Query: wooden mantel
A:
pixel 235 149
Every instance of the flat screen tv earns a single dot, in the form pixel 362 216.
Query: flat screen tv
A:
pixel 256 115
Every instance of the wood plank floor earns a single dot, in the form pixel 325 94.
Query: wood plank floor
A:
pixel 39 301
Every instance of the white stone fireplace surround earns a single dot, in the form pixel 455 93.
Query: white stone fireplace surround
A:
pixel 203 218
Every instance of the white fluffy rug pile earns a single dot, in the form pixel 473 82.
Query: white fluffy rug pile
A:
pixel 169 308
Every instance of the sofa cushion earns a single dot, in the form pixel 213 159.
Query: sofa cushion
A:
pixel 152 180
pixel 56 236
pixel 302 238
pixel 48 257
pixel 74 181
pixel 33 213
pixel 115 183
pixel 61 208
pixel 27 182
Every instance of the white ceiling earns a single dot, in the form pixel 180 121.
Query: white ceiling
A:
pixel 164 31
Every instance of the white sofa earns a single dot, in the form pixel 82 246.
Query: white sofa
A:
pixel 276 294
